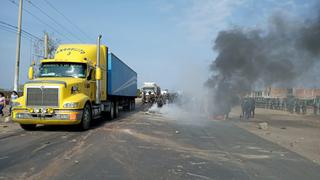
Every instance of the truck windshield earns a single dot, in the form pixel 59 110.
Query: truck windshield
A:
pixel 76 70
pixel 147 89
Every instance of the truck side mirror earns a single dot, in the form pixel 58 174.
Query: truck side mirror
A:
pixel 98 73
pixel 30 73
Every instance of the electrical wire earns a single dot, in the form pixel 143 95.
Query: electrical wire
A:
pixel 14 31
pixel 67 19
pixel 55 30
pixel 23 31
pixel 53 20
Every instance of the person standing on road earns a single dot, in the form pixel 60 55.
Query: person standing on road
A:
pixel 14 96
pixel 247 109
pixel 227 111
pixel 242 108
pixel 143 97
pixel 2 103
pixel 252 107
pixel 304 107
pixel 315 107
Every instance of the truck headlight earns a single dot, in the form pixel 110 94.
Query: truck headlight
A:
pixel 22 116
pixel 71 105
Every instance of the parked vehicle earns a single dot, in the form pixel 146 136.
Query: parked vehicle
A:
pixel 82 82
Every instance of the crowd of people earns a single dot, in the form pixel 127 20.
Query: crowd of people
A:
pixel 4 101
pixel 160 99
pixel 248 106
pixel 292 105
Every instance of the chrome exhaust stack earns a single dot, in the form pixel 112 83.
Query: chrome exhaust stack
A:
pixel 98 81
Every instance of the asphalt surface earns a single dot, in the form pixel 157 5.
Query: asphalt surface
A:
pixel 141 145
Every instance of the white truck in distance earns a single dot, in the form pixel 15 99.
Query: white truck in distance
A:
pixel 150 92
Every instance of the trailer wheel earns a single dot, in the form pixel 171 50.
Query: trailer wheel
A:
pixel 116 109
pixel 111 113
pixel 133 105
pixel 129 108
pixel 28 127
pixel 86 118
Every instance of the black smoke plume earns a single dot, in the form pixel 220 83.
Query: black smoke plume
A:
pixel 283 54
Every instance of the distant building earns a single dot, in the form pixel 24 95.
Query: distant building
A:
pixel 306 93
pixel 276 92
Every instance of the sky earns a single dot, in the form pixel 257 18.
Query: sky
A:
pixel 165 41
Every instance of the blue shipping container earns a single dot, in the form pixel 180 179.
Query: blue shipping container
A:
pixel 122 80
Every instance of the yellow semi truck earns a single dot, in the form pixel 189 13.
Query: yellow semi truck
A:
pixel 82 82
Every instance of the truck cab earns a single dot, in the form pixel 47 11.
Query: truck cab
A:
pixel 70 89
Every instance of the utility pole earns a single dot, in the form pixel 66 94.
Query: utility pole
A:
pixel 46 48
pixel 16 77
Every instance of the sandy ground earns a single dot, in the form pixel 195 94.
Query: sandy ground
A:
pixel 298 133
pixel 6 126
pixel 163 144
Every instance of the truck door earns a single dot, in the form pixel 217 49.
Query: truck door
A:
pixel 91 84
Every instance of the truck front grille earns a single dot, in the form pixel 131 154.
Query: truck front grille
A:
pixel 42 96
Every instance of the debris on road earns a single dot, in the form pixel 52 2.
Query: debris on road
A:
pixel 76 162
pixel 7 119
pixel 177 132
pixel 198 163
pixel 283 128
pixel 291 144
pixel 147 113
pixel 263 126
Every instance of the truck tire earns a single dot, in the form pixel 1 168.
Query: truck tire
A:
pixel 129 106
pixel 133 105
pixel 86 118
pixel 111 112
pixel 116 109
pixel 28 127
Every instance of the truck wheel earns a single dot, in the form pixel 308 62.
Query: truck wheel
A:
pixel 133 105
pixel 28 127
pixel 116 109
pixel 129 106
pixel 86 118
pixel 111 113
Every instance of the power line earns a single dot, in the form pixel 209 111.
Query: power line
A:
pixel 14 31
pixel 15 28
pixel 12 1
pixel 67 19
pixel 8 29
pixel 52 19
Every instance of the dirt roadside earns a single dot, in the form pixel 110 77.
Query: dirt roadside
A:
pixel 298 133
pixel 6 125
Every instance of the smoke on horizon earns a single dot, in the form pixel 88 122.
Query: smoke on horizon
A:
pixel 286 54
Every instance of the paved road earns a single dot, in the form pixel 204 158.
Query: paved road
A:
pixel 148 146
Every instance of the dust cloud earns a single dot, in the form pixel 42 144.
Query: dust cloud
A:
pixel 190 104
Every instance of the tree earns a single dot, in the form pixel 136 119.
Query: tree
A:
pixel 38 47
pixel 52 45
pixel 138 93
